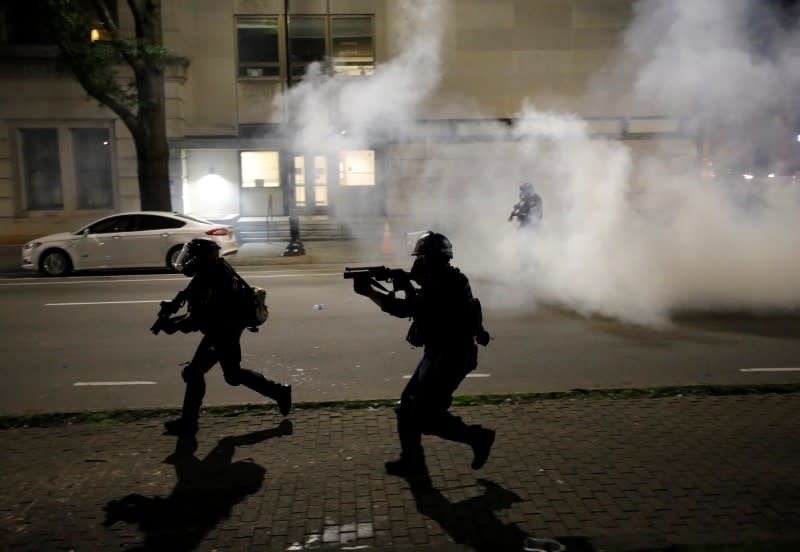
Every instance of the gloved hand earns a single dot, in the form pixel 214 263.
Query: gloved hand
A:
pixel 186 325
pixel 362 286
pixel 402 282
pixel 169 327
pixel 483 337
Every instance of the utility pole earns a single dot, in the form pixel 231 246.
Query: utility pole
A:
pixel 295 247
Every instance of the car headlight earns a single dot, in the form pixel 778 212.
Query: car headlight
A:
pixel 31 245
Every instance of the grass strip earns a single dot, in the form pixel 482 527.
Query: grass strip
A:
pixel 52 419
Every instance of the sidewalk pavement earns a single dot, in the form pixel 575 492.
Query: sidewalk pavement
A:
pixel 593 473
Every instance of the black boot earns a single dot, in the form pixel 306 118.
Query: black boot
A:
pixel 481 443
pixel 280 393
pixel 284 398
pixel 412 459
pixel 190 413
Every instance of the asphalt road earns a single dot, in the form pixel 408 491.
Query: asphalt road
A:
pixel 82 342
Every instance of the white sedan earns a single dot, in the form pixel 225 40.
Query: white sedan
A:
pixel 139 239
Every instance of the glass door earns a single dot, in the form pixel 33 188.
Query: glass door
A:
pixel 311 184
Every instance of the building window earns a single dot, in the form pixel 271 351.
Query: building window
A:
pixel 307 43
pixel 299 181
pixel 357 168
pixel 91 152
pixel 21 23
pixel 343 43
pixel 260 169
pixel 66 169
pixel 257 41
pixel 351 45
pixel 42 169
pixel 26 22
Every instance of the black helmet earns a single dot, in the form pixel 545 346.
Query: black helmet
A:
pixel 434 246
pixel 526 189
pixel 196 254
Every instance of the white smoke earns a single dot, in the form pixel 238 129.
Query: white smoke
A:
pixel 334 113
pixel 632 236
pixel 669 240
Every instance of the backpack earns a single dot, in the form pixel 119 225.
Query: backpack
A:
pixel 251 302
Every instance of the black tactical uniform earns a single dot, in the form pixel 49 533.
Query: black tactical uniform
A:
pixel 446 321
pixel 212 310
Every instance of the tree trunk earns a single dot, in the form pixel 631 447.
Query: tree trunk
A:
pixel 153 166
pixel 152 147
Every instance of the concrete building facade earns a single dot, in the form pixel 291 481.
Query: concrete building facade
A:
pixel 228 113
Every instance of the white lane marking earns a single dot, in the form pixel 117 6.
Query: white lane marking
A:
pixel 182 279
pixel 769 369
pixel 408 376
pixel 99 303
pixel 110 383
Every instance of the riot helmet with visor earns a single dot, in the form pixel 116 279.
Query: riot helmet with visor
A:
pixel 197 254
pixel 433 246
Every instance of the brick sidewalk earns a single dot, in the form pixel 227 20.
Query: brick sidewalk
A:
pixel 632 473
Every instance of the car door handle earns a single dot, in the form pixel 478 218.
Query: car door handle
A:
pixel 165 235
pixel 116 237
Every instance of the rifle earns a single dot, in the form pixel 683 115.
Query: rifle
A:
pixel 168 308
pixel 520 210
pixel 401 280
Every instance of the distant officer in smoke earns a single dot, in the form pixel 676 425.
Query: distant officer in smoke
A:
pixel 528 211
pixel 447 322
pixel 212 310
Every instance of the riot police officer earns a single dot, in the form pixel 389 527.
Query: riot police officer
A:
pixel 528 211
pixel 446 322
pixel 213 311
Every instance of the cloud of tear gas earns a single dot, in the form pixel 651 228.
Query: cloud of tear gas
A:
pixel 728 67
pixel 628 234
pixel 668 239
pixel 640 236
pixel 335 113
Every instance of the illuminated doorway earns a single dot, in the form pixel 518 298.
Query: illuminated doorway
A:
pixel 311 184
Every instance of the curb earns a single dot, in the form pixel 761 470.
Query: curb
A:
pixel 55 419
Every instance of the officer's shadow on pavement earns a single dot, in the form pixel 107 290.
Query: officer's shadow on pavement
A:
pixel 473 522
pixel 204 494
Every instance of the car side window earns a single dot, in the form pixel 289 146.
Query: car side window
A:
pixel 112 224
pixel 155 222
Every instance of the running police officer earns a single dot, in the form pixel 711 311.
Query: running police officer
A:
pixel 447 323
pixel 212 310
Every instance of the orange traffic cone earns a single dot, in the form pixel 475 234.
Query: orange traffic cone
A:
pixel 387 238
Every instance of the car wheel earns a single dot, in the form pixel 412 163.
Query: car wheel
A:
pixel 55 263
pixel 172 257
